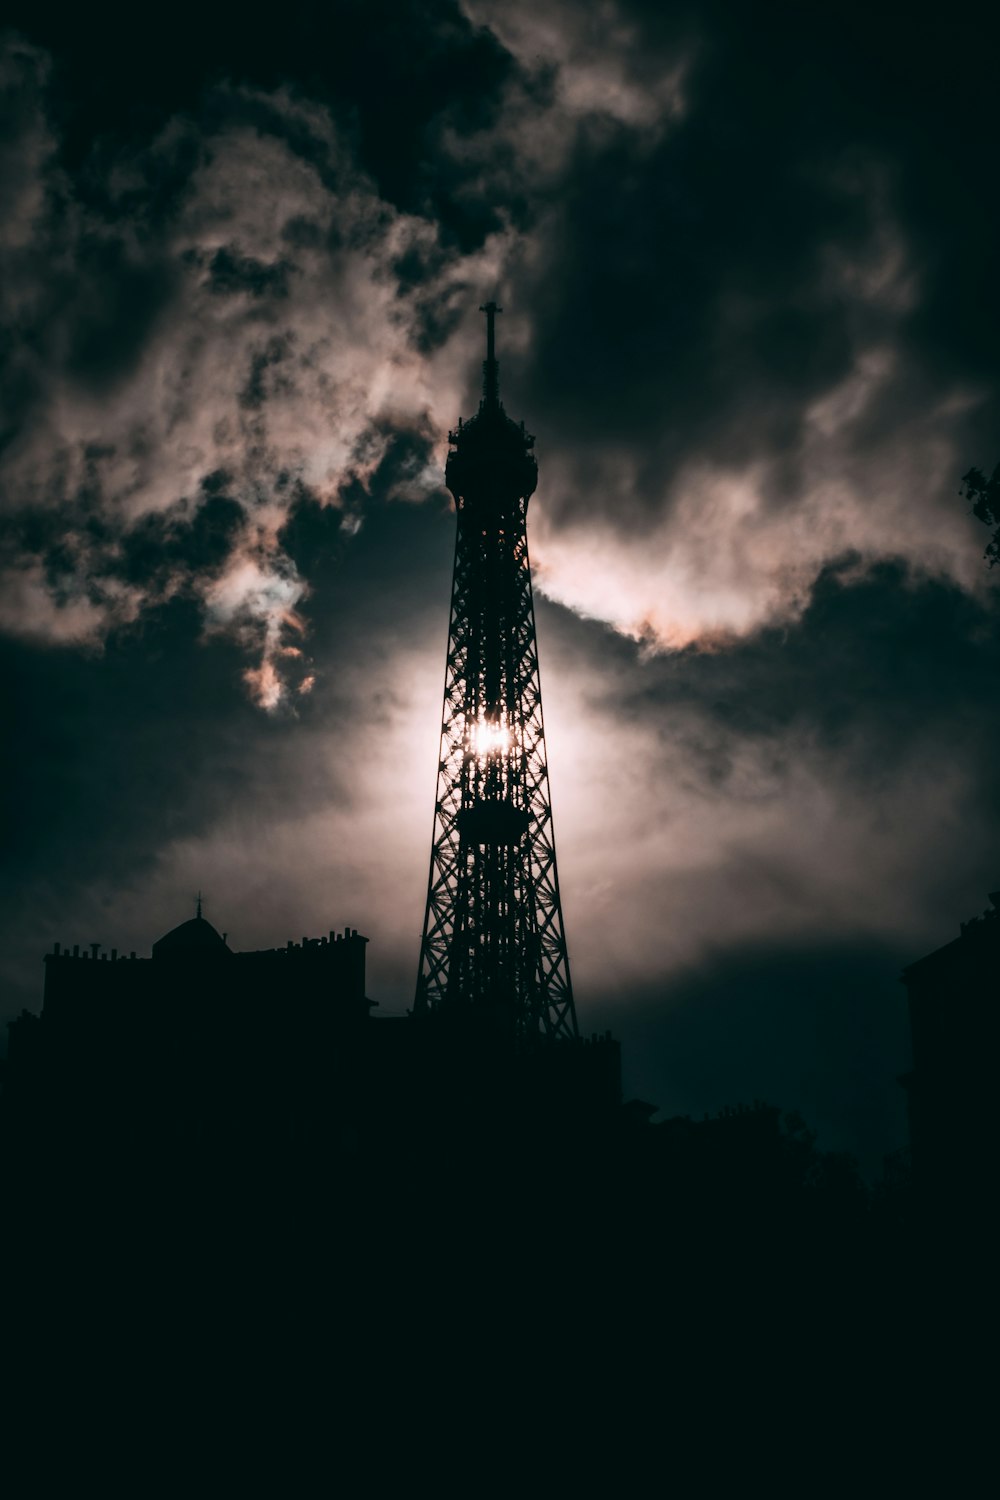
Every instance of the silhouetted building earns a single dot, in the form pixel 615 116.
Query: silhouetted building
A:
pixel 195 1042
pixel 954 1003
pixel 272 1053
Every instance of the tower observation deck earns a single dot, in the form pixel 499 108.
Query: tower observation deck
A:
pixel 493 939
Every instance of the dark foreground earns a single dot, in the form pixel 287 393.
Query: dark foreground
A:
pixel 475 1303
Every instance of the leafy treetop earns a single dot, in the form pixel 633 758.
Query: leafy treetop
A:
pixel 985 496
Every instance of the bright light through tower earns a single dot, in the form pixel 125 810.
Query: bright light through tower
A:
pixel 489 738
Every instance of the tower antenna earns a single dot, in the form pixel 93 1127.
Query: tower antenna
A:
pixel 491 370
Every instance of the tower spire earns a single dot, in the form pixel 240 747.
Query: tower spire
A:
pixel 491 370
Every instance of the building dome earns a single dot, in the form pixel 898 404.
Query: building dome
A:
pixel 195 936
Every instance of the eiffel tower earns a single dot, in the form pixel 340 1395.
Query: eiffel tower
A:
pixel 493 939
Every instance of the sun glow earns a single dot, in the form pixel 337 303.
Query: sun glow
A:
pixel 489 738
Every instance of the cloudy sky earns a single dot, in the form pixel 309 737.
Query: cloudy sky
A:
pixel 747 259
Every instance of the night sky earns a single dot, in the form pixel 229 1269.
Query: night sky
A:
pixel 747 256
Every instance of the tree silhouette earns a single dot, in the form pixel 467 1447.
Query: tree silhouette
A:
pixel 985 496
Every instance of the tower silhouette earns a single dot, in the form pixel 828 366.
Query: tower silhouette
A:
pixel 493 939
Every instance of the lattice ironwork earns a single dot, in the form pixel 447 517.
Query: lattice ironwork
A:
pixel 493 936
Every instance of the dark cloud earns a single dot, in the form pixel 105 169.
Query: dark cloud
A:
pixel 166 323
pixel 751 289
pixel 118 303
pixel 391 75
pixel 878 661
pixel 197 545
pixel 229 272
pixel 822 1029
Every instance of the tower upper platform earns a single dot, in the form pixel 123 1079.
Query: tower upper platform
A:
pixel 492 466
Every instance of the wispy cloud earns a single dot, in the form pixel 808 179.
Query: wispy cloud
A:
pixel 254 340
